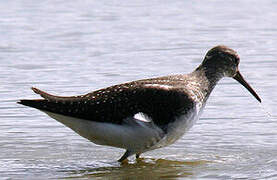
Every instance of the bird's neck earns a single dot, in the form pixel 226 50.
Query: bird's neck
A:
pixel 211 75
pixel 207 79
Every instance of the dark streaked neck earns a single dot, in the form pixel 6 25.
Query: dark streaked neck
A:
pixel 207 78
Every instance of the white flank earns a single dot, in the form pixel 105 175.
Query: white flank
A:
pixel 142 117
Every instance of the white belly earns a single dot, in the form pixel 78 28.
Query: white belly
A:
pixel 180 126
pixel 135 136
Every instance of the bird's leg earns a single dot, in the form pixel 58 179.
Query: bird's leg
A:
pixel 125 156
pixel 137 155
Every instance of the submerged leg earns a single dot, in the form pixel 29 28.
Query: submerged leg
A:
pixel 137 155
pixel 125 156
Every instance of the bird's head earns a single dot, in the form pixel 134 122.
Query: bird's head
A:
pixel 222 60
pixel 225 61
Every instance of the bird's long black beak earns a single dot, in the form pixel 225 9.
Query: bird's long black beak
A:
pixel 241 80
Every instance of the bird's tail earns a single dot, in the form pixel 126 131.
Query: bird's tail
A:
pixel 51 103
pixel 35 103
pixel 74 106
pixel 42 104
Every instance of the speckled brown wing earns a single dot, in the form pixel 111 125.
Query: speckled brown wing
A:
pixel 115 103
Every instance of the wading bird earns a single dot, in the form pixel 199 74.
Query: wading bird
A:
pixel 146 114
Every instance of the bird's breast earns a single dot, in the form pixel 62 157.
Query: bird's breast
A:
pixel 181 125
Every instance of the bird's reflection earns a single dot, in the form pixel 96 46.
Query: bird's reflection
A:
pixel 142 168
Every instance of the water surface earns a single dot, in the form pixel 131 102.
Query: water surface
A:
pixel 74 47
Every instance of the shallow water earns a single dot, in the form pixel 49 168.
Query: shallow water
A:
pixel 74 47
